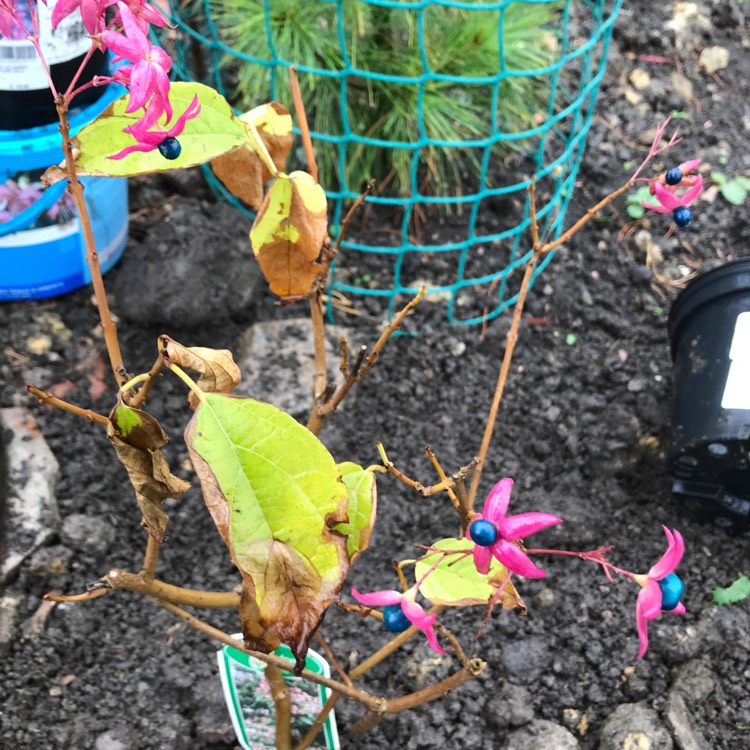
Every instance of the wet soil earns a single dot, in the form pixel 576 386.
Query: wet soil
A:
pixel 583 429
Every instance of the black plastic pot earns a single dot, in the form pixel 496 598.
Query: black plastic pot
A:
pixel 709 456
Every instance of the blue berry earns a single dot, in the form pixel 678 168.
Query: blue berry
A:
pixel 672 589
pixel 170 148
pixel 394 619
pixel 483 532
pixel 673 176
pixel 682 216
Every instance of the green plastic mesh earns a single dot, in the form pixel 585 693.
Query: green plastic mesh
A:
pixel 463 242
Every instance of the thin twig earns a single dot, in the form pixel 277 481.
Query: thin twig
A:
pixel 317 725
pixel 332 658
pixel 58 403
pixel 370 701
pixel 283 706
pixel 299 106
pixel 73 598
pixel 319 415
pixel 140 398
pixel 150 559
pixel 109 330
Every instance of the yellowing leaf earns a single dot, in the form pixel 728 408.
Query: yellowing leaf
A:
pixel 363 499
pixel 242 171
pixel 217 368
pixel 275 495
pixel 274 125
pixel 455 581
pixel 288 233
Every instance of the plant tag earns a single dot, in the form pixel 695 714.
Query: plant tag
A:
pixel 737 388
pixel 251 706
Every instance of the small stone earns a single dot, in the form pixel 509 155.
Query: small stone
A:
pixel 87 534
pixel 38 345
pixel 541 735
pixel 553 413
pixel 456 347
pixel 32 516
pixel 9 606
pixel 640 79
pixel 510 707
pixel 277 362
pixel 636 385
pixel 212 722
pixel 194 267
pixel 694 680
pixel 634 726
pixel 713 59
pixel 50 561
pixel 525 659
pixel 119 738
pixel 678 719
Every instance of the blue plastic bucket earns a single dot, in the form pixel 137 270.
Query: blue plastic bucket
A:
pixel 42 251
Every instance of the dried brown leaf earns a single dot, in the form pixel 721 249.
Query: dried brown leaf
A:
pixel 218 370
pixel 152 481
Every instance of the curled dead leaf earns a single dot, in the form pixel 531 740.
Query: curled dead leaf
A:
pixel 136 427
pixel 152 481
pixel 218 370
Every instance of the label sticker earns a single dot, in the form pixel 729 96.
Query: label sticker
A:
pixel 737 388
pixel 20 68
pixel 251 706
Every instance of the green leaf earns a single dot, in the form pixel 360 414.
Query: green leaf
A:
pixel 360 484
pixel 634 205
pixel 718 177
pixel 275 494
pixel 738 591
pixel 455 582
pixel 213 132
pixel 733 192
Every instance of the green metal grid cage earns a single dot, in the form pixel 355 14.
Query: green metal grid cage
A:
pixel 476 235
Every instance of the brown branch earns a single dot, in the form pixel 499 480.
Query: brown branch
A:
pixel 510 343
pixel 74 598
pixel 442 475
pixel 585 219
pixel 423 491
pixel 345 225
pixel 109 330
pixel 304 128
pixel 512 335
pixel 320 378
pixel 332 658
pixel 370 701
pixel 150 559
pixel 322 412
pixel 283 705
pixel 140 398
pixel 58 403
pixel 438 690
pixel 166 592
pixel 317 725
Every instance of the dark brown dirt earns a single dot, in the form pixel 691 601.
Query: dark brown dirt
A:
pixel 583 429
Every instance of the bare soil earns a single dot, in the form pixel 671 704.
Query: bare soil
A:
pixel 583 429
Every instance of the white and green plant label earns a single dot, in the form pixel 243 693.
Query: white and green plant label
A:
pixel 251 706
